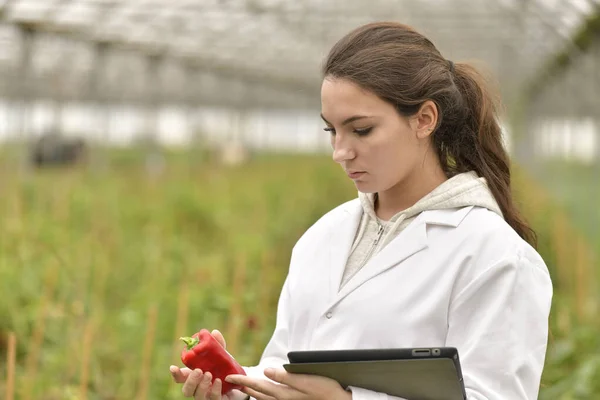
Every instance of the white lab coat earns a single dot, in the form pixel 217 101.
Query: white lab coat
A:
pixel 459 278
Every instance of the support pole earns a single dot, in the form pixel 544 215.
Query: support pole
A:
pixel 154 157
pixel 24 93
pixel 101 112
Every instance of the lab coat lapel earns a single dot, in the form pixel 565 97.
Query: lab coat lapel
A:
pixel 410 241
pixel 341 236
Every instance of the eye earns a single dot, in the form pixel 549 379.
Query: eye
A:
pixel 330 130
pixel 363 132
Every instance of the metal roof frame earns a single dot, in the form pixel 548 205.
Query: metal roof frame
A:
pixel 281 43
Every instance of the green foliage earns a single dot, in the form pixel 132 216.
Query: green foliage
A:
pixel 116 245
pixel 562 207
pixel 81 250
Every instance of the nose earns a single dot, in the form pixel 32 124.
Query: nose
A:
pixel 342 151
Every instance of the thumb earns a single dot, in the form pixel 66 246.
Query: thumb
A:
pixel 217 335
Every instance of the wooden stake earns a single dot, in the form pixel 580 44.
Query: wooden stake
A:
pixel 10 366
pixel 85 358
pixel 182 318
pixel 39 330
pixel 264 287
pixel 147 353
pixel 582 279
pixel 561 240
pixel 235 313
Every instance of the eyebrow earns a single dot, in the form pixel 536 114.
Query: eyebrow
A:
pixel 347 120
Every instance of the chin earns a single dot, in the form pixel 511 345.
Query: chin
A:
pixel 365 187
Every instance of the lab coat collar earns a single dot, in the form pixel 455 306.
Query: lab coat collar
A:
pixel 410 241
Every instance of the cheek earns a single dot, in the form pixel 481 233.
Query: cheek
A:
pixel 391 151
pixel 392 163
pixel 394 159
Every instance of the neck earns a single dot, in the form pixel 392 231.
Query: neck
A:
pixel 407 192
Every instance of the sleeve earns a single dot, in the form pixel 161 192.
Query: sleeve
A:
pixel 499 324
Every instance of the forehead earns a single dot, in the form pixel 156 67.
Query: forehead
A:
pixel 340 97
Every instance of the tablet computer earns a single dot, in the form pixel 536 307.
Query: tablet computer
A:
pixel 410 373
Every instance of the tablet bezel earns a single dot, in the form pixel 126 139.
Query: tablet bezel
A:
pixel 379 354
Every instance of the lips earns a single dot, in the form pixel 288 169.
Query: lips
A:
pixel 355 174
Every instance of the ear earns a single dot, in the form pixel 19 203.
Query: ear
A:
pixel 425 120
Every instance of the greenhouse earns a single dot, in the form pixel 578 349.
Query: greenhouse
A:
pixel 162 158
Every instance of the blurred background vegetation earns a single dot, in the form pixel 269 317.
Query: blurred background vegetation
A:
pixel 160 159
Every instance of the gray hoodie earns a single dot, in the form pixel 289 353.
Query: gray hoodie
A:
pixel 373 233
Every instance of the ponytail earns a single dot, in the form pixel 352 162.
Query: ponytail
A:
pixel 487 154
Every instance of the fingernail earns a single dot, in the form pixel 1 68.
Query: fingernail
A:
pixel 269 371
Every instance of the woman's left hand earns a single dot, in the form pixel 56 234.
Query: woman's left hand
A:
pixel 290 386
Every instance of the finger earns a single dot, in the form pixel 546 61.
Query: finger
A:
pixel 257 395
pixel 203 387
pixel 281 376
pixel 259 385
pixel 278 375
pixel 179 375
pixel 301 382
pixel 215 391
pixel 191 383
pixel 217 335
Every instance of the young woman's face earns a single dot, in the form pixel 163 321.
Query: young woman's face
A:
pixel 375 146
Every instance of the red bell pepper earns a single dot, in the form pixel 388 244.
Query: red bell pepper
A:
pixel 203 351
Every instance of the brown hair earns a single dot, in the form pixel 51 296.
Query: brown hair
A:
pixel 404 68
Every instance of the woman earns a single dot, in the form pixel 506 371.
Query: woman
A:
pixel 433 252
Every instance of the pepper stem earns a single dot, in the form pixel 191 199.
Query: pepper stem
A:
pixel 190 341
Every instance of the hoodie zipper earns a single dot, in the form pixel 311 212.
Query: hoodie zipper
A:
pixel 380 231
pixel 374 245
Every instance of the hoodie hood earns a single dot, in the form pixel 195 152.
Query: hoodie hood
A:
pixel 462 190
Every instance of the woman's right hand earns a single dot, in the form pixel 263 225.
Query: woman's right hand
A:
pixel 197 383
